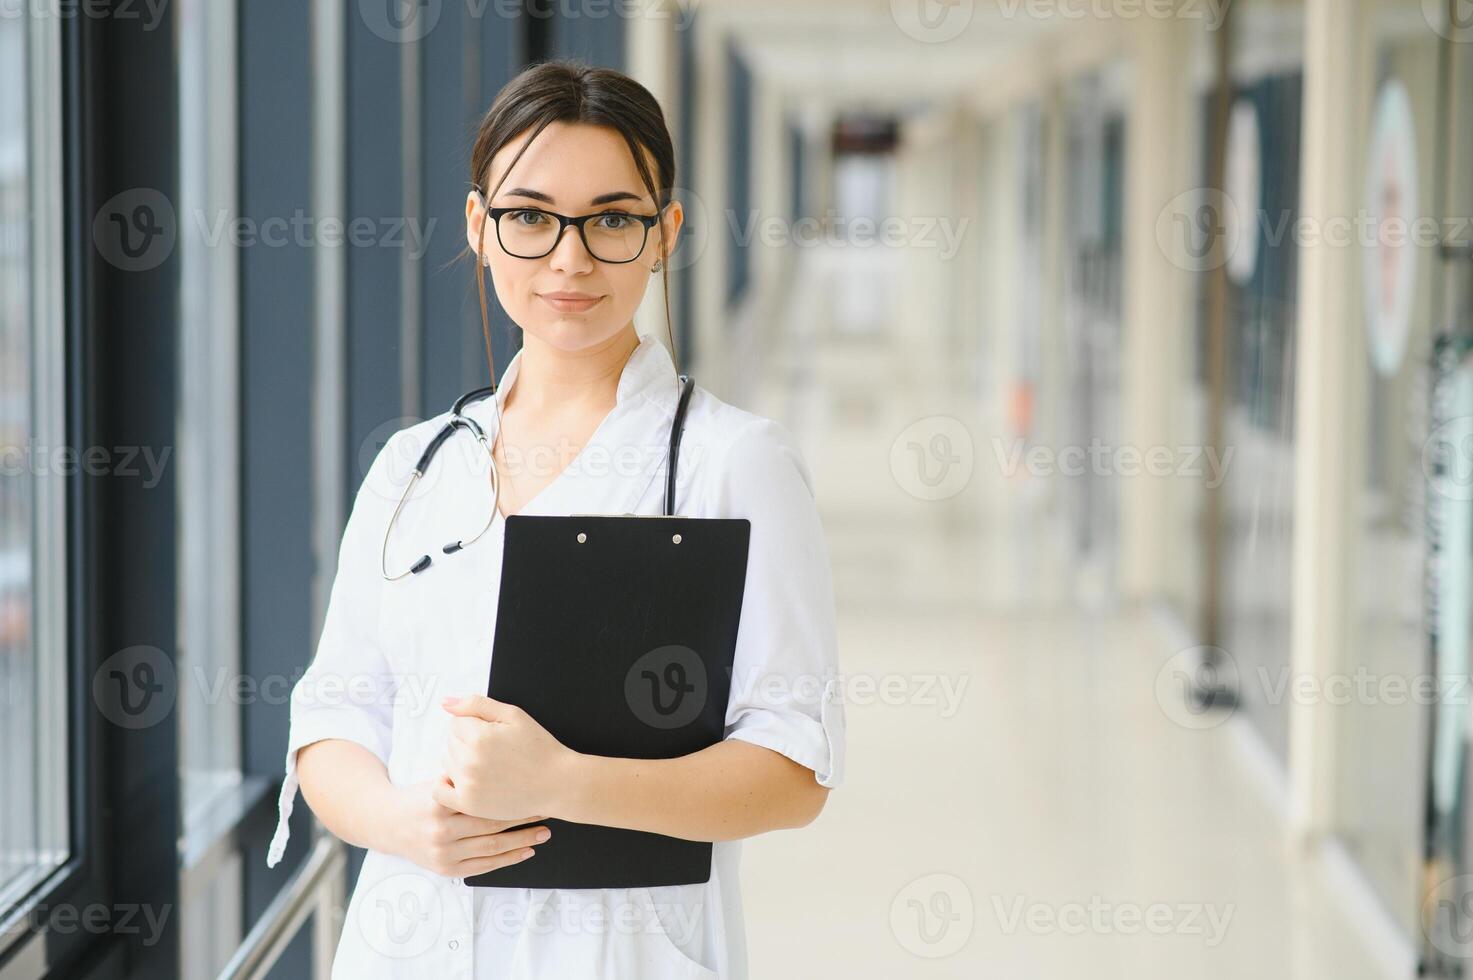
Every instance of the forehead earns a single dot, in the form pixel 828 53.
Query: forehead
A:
pixel 571 162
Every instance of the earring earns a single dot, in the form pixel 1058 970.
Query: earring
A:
pixel 659 264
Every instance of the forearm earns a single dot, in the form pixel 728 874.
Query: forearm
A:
pixel 349 790
pixel 731 790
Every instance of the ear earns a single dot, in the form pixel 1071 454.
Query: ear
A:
pixel 671 221
pixel 475 214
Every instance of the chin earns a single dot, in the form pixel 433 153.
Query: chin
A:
pixel 571 332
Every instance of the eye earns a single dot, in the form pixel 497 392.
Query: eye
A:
pixel 615 221
pixel 535 216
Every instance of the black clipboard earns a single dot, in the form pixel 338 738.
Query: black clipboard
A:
pixel 618 634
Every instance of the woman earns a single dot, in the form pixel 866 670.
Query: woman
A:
pixel 394 745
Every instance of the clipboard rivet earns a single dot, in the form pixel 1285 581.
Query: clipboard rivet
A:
pixel 582 537
pixel 675 538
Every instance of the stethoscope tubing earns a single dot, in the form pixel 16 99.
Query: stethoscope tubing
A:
pixel 458 420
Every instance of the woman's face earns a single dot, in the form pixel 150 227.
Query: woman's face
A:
pixel 573 169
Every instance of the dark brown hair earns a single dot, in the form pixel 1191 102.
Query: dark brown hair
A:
pixel 573 92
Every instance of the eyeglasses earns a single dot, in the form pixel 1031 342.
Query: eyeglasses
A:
pixel 531 233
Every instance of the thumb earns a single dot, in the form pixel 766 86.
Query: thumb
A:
pixel 478 706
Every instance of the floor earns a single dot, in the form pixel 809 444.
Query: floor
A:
pixel 1056 824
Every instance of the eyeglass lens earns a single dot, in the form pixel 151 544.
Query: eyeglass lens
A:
pixel 530 234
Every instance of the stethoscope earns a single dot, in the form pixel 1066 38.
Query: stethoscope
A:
pixel 458 420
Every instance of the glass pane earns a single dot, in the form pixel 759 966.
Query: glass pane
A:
pixel 32 655
pixel 18 836
pixel 1095 130
pixel 209 628
pixel 210 731
pixel 1262 273
pixel 1380 800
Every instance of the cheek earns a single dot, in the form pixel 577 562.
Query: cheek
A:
pixel 509 279
pixel 628 285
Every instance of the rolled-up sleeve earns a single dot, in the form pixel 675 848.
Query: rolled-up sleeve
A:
pixel 786 690
pixel 347 690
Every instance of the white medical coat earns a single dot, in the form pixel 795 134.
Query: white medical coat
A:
pixel 389 651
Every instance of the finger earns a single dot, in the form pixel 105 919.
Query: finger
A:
pixel 458 755
pixel 452 772
pixel 444 793
pixel 467 730
pixel 476 866
pixel 478 706
pixel 487 845
pixel 468 825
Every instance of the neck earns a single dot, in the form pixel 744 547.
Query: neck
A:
pixel 550 379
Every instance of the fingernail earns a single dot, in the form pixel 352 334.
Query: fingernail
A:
pixel 542 835
pixel 527 853
pixel 449 699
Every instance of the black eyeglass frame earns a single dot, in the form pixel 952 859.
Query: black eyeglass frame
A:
pixel 648 220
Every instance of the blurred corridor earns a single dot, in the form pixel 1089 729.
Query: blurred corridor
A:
pixel 1128 343
pixel 1024 770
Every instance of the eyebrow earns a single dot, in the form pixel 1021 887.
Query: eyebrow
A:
pixel 601 199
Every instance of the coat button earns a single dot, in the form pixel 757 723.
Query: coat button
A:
pixel 454 944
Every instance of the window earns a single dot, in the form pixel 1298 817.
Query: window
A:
pixel 216 797
pixel 34 819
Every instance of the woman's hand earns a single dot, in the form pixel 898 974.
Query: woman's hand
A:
pixel 500 761
pixel 456 844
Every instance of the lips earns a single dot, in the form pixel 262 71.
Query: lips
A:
pixel 570 302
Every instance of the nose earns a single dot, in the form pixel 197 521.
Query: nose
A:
pixel 569 253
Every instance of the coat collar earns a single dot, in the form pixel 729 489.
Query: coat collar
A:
pixel 627 451
pixel 649 374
